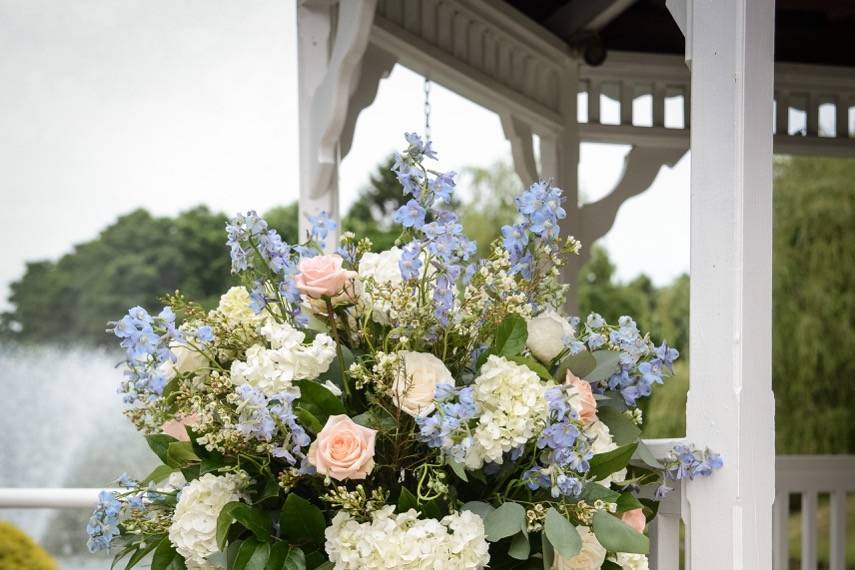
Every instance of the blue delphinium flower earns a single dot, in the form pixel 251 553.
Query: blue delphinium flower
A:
pixel 103 526
pixel 410 263
pixel 410 215
pixel 447 426
pixel 204 334
pixel 321 226
pixel 271 419
pixel 686 461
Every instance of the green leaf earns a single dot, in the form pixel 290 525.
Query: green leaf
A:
pixel 609 565
pixel 627 502
pixel 166 557
pixel 259 558
pixel 407 501
pixel 622 428
pixel 607 364
pixel 308 420
pixel 644 455
pixel 180 454
pixel 505 521
pixel 593 491
pixel 604 464
pixel 325 566
pixel 283 556
pixel 159 444
pixel 510 336
pixel 548 553
pixel 142 551
pixel 318 400
pixel 580 365
pixel 250 554
pixel 253 520
pixel 301 521
pixel 561 534
pixel 533 365
pixel 520 547
pixel 479 508
pixel 617 536
pixel 459 470
pixel 157 475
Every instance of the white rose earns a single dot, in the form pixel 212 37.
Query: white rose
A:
pixel 546 335
pixel 601 442
pixel 415 384
pixel 194 522
pixel 383 269
pixel 186 360
pixel 235 307
pixel 629 561
pixel 590 557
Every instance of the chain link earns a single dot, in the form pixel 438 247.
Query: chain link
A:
pixel 427 108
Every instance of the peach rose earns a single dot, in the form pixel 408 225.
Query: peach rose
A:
pixel 343 449
pixel 177 428
pixel 322 276
pixel 635 518
pixel 584 401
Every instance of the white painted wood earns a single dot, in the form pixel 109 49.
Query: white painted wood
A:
pixel 376 66
pixel 809 554
pixel 329 61
pixel 522 148
pixel 730 404
pixel 43 498
pixel 781 514
pixel 664 533
pixel 837 540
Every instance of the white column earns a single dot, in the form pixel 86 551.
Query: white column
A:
pixel 730 405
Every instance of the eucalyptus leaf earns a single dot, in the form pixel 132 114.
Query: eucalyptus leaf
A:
pixel 479 508
pixel 459 470
pixel 622 428
pixel 608 362
pixel 505 521
pixel 617 536
pixel 580 364
pixel 561 533
pixel 520 547
pixel 532 365
pixel 548 553
pixel 157 475
pixel 627 502
pixel 593 491
pixel 604 464
pixel 644 455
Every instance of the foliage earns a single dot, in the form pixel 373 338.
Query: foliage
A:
pixel 371 214
pixel 814 305
pixel 490 204
pixel 17 550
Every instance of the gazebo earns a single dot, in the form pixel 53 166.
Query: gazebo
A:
pixel 745 71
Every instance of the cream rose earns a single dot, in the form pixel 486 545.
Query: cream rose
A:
pixel 323 276
pixel 382 269
pixel 629 561
pixel 546 335
pixel 590 557
pixel 186 360
pixel 415 384
pixel 635 518
pixel 343 449
pixel 582 398
pixel 235 307
pixel 601 441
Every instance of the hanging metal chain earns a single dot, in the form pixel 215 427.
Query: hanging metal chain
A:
pixel 427 108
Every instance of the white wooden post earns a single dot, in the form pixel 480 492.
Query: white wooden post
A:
pixel 730 404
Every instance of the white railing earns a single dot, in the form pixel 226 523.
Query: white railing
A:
pixel 638 86
pixel 809 476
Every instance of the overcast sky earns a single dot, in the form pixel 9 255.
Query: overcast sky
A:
pixel 111 105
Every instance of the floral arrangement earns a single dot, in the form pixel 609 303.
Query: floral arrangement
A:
pixel 413 408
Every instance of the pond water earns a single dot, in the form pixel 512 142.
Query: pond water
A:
pixel 61 425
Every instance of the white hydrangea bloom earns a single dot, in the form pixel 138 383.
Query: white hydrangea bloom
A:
pixel 272 370
pixel 513 406
pixel 601 441
pixel 404 541
pixel 235 307
pixel 194 522
pixel 590 557
pixel 630 561
pixel 383 269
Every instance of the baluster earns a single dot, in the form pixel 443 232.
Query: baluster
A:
pixel 812 115
pixel 809 559
pixel 627 91
pixel 780 542
pixel 658 104
pixel 838 527
pixel 594 101
pixel 841 116
pixel 665 534
pixel 782 107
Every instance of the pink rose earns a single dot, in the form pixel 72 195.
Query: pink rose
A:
pixel 635 518
pixel 322 276
pixel 343 449
pixel 583 400
pixel 177 428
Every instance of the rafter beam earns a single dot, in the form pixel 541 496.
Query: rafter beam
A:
pixel 578 15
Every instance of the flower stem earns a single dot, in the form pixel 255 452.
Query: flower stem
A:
pixel 340 354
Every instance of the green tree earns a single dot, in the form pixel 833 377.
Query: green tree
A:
pixel 371 214
pixel 814 305
pixel 490 204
